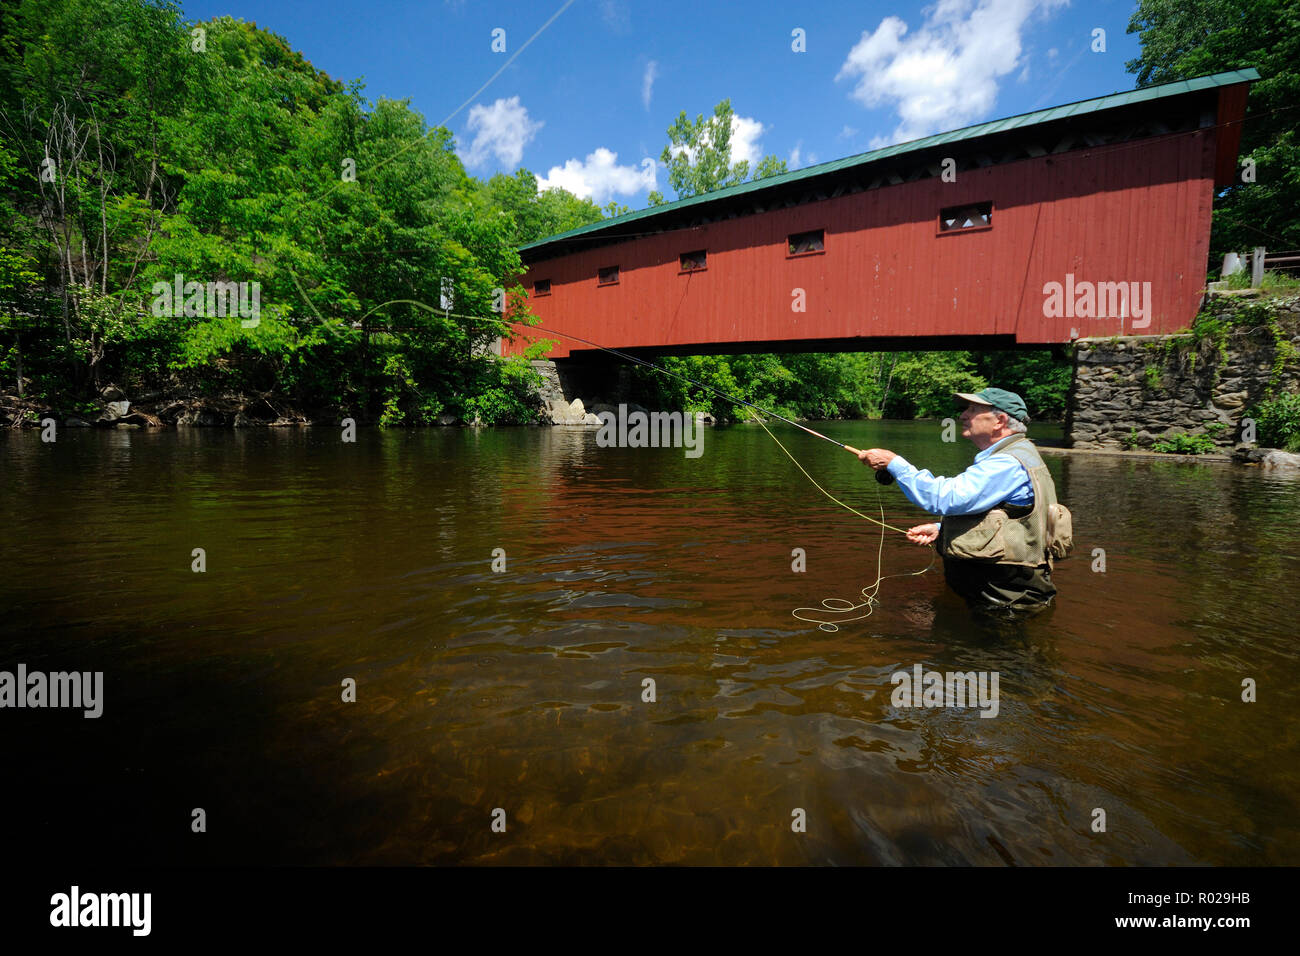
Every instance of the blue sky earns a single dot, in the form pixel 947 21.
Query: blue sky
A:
pixel 589 101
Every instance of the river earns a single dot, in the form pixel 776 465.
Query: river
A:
pixel 525 688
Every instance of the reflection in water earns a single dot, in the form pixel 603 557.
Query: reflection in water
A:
pixel 632 687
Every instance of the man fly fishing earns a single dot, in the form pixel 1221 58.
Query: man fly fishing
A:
pixel 1002 526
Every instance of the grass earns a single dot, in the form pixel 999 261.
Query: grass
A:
pixel 1185 445
pixel 1272 281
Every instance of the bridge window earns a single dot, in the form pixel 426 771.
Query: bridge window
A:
pixel 607 276
pixel 975 216
pixel 694 261
pixel 805 243
pixel 542 287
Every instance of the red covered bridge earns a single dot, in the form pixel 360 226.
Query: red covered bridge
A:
pixel 1082 220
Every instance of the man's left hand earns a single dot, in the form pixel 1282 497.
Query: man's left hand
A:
pixel 877 458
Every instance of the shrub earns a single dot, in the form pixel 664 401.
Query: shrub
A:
pixel 506 395
pixel 1277 421
pixel 1185 445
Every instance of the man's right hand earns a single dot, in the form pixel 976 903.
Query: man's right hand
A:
pixel 923 534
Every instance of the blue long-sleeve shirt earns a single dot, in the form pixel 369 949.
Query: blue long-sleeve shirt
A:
pixel 990 481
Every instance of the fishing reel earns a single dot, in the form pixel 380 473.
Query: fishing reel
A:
pixel 884 477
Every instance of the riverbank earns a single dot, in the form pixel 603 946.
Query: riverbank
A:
pixel 238 410
pixel 156 410
pixel 1268 458
pixel 115 409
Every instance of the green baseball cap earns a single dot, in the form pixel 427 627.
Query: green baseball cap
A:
pixel 999 398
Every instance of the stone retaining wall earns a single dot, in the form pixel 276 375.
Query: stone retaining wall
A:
pixel 1130 391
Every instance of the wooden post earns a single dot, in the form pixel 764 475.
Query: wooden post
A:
pixel 1257 268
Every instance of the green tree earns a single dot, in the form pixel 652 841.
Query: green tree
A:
pixel 797 385
pixel 1186 38
pixel 698 156
pixel 232 164
pixel 84 85
pixel 1038 376
pixel 921 384
pixel 537 215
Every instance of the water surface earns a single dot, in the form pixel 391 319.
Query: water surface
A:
pixel 523 689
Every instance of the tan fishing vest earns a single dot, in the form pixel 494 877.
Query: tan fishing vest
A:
pixel 1013 534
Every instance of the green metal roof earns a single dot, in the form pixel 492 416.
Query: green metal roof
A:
pixel 1080 108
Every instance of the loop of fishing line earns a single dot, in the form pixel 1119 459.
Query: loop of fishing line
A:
pixel 841 606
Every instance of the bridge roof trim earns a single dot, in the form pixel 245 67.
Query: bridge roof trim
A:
pixel 1022 121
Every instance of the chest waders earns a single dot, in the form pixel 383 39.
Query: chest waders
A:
pixel 1002 558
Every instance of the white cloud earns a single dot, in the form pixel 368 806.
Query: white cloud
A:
pixel 501 130
pixel 744 140
pixel 799 158
pixel 600 177
pixel 945 74
pixel 616 15
pixel 648 82
pixel 848 132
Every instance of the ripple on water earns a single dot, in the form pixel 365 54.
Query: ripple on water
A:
pixel 526 688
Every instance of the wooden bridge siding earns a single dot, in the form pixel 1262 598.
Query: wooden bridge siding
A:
pixel 1137 211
